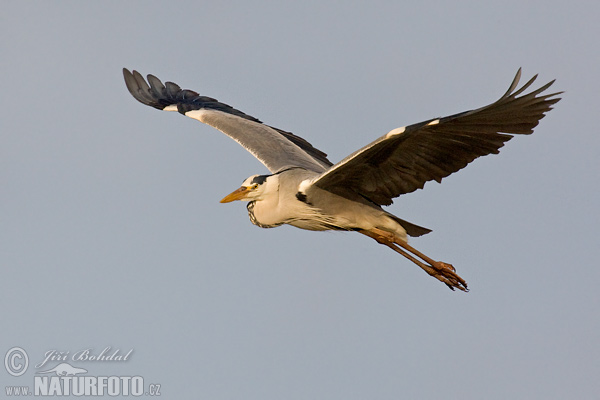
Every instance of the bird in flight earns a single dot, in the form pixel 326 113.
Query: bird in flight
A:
pixel 306 190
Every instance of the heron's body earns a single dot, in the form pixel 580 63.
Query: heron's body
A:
pixel 289 198
pixel 308 191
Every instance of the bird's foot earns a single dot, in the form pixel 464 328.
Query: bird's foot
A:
pixel 446 273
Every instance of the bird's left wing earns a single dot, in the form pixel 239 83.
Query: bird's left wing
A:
pixel 275 148
pixel 406 158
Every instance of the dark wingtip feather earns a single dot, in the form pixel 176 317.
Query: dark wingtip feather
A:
pixel 514 83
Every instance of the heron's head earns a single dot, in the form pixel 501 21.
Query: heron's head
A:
pixel 253 188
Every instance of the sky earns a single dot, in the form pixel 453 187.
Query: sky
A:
pixel 112 235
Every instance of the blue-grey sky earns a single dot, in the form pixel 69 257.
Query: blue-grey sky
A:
pixel 112 233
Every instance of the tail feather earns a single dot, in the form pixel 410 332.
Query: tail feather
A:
pixel 410 228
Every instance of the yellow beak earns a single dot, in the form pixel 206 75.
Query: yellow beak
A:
pixel 237 194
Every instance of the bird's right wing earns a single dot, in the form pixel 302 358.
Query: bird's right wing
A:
pixel 406 158
pixel 275 148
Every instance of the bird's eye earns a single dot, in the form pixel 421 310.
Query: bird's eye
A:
pixel 254 186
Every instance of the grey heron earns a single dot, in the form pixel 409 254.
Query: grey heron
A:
pixel 306 190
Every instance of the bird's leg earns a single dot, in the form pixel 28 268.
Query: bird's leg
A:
pixel 441 271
